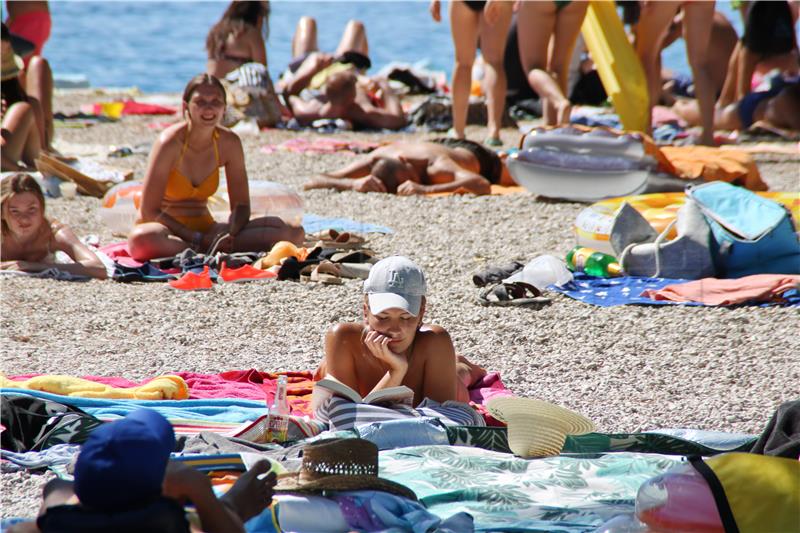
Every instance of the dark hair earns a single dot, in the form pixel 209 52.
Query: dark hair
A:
pixel 202 79
pixel 769 29
pixel 17 184
pixel 386 169
pixel 631 10
pixel 238 15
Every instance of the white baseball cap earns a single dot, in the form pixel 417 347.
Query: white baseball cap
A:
pixel 395 283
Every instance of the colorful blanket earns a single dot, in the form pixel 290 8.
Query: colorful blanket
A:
pixel 503 493
pixel 321 146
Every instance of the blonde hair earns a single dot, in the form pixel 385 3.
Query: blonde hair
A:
pixel 17 184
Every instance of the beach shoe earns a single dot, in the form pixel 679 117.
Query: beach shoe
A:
pixel 325 272
pixel 512 294
pixel 356 256
pixel 333 239
pixel 244 273
pixel 192 281
pixel 496 273
pixel 354 270
pixel 493 142
pixel 146 272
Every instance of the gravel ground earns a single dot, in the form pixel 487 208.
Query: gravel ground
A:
pixel 627 368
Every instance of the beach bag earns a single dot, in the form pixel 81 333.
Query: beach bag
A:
pixel 250 94
pixel 751 235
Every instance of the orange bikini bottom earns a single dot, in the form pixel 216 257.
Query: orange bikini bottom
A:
pixel 201 223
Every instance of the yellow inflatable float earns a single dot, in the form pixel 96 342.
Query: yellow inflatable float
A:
pixel 593 224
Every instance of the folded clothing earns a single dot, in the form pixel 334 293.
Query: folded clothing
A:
pixel 713 291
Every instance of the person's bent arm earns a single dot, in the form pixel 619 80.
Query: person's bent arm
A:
pixel 238 187
pixel 185 484
pixel 315 62
pixel 162 158
pixel 461 180
pixel 353 177
pixel 439 379
pixel 258 49
pixel 747 66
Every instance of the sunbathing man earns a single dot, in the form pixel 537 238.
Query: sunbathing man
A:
pixel 124 481
pixel 344 95
pixel 420 167
pixel 392 346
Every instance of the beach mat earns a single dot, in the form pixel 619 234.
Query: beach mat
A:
pixel 496 190
pixel 321 146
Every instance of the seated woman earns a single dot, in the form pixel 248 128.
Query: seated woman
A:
pixel 30 240
pixel 777 109
pixel 21 142
pixel 183 173
pixel 407 168
pixel 392 346
pixel 237 38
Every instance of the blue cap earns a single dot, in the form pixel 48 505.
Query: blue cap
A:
pixel 122 464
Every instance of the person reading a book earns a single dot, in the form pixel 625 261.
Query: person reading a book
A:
pixel 30 240
pixel 392 347
pixel 183 173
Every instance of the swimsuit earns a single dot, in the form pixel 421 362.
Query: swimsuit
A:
pixel 561 4
pixel 475 5
pixel 34 26
pixel 180 189
pixel 747 105
pixel 491 167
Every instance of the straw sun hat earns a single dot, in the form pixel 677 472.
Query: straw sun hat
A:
pixel 339 465
pixel 537 428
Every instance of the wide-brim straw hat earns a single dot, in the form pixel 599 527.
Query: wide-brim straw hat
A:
pixel 537 428
pixel 340 465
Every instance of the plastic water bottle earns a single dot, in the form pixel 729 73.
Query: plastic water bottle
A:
pixel 278 417
pixel 543 271
pixel 594 263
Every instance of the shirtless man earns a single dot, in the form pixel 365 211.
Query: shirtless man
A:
pixel 392 346
pixel 420 167
pixel 345 95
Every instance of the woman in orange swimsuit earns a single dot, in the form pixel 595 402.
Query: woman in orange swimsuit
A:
pixel 183 172
pixel 30 240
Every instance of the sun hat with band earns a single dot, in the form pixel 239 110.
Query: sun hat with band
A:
pixel 537 428
pixel 122 464
pixel 340 465
pixel 12 63
pixel 395 282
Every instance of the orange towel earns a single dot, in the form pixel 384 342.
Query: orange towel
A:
pixel 711 164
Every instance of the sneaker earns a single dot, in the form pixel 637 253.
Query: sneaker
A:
pixel 192 281
pixel 244 273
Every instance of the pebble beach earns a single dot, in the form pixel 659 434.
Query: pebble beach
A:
pixel 628 368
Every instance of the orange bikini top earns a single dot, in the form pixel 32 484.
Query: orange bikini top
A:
pixel 180 188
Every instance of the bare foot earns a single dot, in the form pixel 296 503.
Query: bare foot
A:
pixel 468 373
pixel 563 111
pixel 252 492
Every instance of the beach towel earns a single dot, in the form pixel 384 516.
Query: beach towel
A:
pixel 504 493
pixel 321 146
pixel 129 107
pixel 314 223
pixel 634 290
pixel 159 388
pixel 712 164
pixel 713 291
pixel 50 273
pixel 496 190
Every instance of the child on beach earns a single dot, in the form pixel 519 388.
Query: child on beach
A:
pixel 30 240
pixel 124 481
pixel 392 346
pixel 183 173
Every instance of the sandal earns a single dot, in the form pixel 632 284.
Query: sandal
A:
pixel 496 274
pixel 333 239
pixel 356 256
pixel 512 294
pixel 326 272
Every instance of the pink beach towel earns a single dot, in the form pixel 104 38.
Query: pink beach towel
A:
pixel 713 291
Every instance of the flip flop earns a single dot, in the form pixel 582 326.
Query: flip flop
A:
pixel 333 239
pixel 326 272
pixel 512 294
pixel 356 256
pixel 496 273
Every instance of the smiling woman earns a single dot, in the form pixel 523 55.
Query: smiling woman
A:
pixel 183 173
pixel 30 240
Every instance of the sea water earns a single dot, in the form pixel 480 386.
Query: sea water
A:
pixel 159 46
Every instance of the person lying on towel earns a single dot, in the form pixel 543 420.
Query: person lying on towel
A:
pixel 420 167
pixel 124 481
pixel 343 92
pixel 392 346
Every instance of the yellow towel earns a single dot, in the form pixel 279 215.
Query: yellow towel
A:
pixel 160 388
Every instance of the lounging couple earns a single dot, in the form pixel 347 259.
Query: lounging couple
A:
pixel 338 89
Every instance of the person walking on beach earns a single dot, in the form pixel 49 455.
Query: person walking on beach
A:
pixel 183 173
pixel 651 30
pixel 475 24
pixel 30 20
pixel 547 35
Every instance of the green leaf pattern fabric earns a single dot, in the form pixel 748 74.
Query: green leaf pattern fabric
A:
pixel 504 493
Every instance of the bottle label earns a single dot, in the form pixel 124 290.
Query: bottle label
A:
pixel 277 428
pixel 580 258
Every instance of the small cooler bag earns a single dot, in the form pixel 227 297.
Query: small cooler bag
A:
pixel 751 234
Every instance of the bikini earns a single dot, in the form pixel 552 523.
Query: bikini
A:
pixel 180 189
pixel 748 105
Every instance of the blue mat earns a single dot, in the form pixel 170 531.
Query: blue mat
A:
pixel 313 223
pixel 608 292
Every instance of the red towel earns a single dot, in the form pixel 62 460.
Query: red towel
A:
pixel 713 291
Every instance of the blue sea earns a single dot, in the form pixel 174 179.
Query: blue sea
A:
pixel 159 46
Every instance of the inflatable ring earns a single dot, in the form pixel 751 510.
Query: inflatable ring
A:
pixel 593 224
pixel 120 206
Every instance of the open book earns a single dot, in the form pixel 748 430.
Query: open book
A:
pixel 330 386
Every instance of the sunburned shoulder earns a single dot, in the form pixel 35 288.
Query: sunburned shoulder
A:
pixel 346 330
